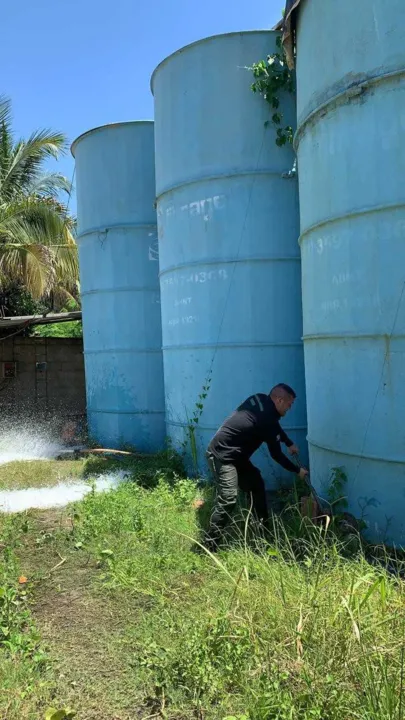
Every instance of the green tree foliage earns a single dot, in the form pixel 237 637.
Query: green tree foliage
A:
pixel 38 252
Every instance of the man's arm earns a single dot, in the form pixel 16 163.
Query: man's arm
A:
pixel 280 458
pixel 284 438
pixel 292 447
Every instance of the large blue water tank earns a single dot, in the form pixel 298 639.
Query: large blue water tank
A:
pixel 228 226
pixel 351 159
pixel 119 276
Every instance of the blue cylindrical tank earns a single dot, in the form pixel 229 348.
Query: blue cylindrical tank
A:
pixel 117 239
pixel 350 138
pixel 228 226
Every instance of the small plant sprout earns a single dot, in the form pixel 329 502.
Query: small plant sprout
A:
pixel 190 441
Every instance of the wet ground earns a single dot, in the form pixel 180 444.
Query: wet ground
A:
pixel 12 501
pixel 24 445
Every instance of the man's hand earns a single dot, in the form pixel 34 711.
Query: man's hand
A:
pixel 303 474
pixel 293 450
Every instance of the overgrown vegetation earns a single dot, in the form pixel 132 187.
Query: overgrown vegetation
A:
pixel 70 329
pixel 37 248
pixel 297 625
pixel 272 79
pixel 16 301
pixel 24 665
pixel 190 441
pixel 65 329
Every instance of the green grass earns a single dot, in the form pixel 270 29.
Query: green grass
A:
pixel 24 666
pixel 46 473
pixel 39 473
pixel 295 627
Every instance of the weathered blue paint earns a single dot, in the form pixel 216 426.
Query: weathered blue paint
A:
pixel 117 240
pixel 228 239
pixel 351 110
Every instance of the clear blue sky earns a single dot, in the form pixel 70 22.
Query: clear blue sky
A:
pixel 73 65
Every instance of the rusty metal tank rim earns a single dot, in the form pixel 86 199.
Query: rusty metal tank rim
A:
pixel 204 40
pixel 341 98
pixel 99 128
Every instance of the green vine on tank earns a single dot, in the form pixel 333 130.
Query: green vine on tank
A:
pixel 272 78
pixel 192 423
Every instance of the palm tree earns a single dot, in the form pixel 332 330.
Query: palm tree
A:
pixel 37 246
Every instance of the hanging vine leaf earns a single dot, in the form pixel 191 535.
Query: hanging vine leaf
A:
pixel 272 78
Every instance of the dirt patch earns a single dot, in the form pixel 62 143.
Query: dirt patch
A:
pixel 85 630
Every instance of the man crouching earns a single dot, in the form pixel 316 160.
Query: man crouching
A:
pixel 254 422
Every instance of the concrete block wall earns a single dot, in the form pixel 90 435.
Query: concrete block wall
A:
pixel 58 388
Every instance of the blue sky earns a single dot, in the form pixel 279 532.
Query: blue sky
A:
pixel 74 65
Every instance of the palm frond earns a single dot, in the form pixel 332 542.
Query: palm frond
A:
pixel 49 185
pixel 34 219
pixel 67 265
pixel 27 159
pixel 28 264
pixel 62 298
pixel 37 243
pixel 5 111
pixel 6 136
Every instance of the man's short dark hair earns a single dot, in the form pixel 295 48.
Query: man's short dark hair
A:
pixel 286 388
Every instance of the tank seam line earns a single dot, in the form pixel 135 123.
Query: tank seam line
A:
pixel 106 291
pixel 350 92
pixel 351 336
pixel 369 210
pixel 122 351
pixel 104 229
pixel 127 412
pixel 231 345
pixel 218 176
pixel 375 458
pixel 177 423
pixel 201 263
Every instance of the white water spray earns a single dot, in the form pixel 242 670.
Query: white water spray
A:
pixel 27 441
pixel 13 501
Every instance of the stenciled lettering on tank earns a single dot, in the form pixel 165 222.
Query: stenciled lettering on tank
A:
pixel 343 278
pixel 321 244
pixel 182 301
pixel 184 320
pixel 199 277
pixel 153 250
pixel 205 208
pixel 351 303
